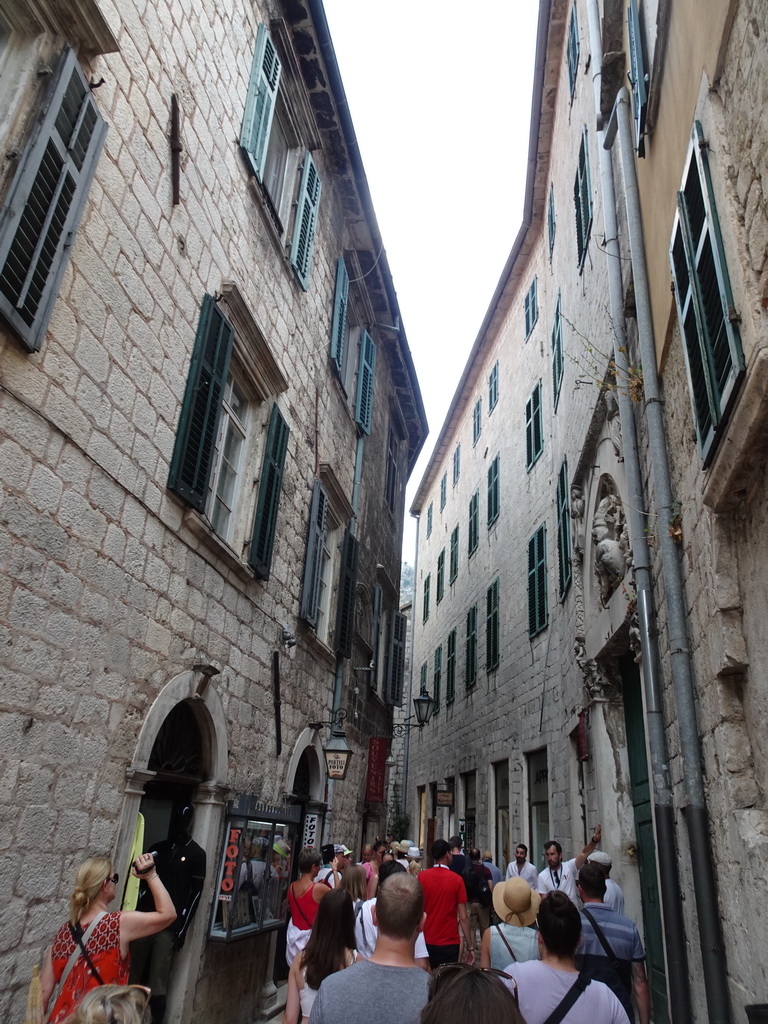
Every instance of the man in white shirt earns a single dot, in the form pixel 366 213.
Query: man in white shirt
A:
pixel 560 875
pixel 366 932
pixel 521 868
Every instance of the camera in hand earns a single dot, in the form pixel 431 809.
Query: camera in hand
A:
pixel 146 870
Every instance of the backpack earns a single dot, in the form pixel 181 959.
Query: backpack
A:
pixel 477 885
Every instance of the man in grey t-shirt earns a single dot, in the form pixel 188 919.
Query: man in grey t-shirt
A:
pixel 390 978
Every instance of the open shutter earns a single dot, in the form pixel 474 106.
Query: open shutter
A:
pixel 201 410
pixel 375 635
pixel 398 626
pixel 537 582
pixel 637 76
pixel 339 327
pixel 557 353
pixel 492 626
pixel 365 375
pixel 46 199
pixel 265 523
pixel 313 563
pixel 563 531
pixel 260 102
pixel 345 602
pixel 306 222
pixel 493 491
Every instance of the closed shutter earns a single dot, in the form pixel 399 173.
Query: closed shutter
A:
pixel 582 197
pixel 493 491
pixel 573 49
pixel 471 669
pixel 551 222
pixel 563 531
pixel 537 582
pixel 440 576
pixel 454 568
pixel 493 388
pixel 313 563
pixel 304 228
pixel 450 674
pixel 557 353
pixel 473 533
pixel 437 677
pixel 46 199
pixel 260 102
pixel 397 630
pixel 265 523
pixel 492 626
pixel 345 602
pixel 443 490
pixel 339 326
pixel 365 376
pixel 201 410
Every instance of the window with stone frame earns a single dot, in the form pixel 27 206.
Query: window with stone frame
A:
pixel 277 137
pixel 230 423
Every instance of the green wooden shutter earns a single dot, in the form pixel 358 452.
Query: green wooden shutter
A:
pixel 365 377
pixel 424 673
pixel 551 221
pixel 537 582
pixel 270 486
pixel 637 76
pixel 708 321
pixel 534 427
pixel 46 199
pixel 454 554
pixel 493 492
pixel 582 197
pixel 450 669
pixel 437 676
pixel 313 563
pixel 345 602
pixel 397 632
pixel 531 307
pixel 557 352
pixel 471 668
pixel 201 410
pixel 493 388
pixel 563 531
pixel 477 421
pixel 373 675
pixel 339 326
pixel 429 519
pixel 572 55
pixel 456 464
pixel 492 626
pixel 425 608
pixel 260 102
pixel 440 577
pixel 303 242
pixel 443 490
pixel 473 533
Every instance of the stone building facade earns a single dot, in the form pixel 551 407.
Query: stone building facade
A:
pixel 590 524
pixel 204 384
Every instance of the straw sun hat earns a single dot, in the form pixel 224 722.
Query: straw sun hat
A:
pixel 515 902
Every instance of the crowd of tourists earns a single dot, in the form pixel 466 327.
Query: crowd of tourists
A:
pixel 436 943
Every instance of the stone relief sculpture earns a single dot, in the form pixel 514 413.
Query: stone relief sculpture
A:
pixel 612 553
pixel 577 518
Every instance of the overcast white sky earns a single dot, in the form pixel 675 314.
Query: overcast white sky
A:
pixel 440 95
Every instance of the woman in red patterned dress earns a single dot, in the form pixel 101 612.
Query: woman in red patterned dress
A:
pixel 107 945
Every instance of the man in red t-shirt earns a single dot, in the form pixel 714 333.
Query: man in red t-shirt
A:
pixel 444 896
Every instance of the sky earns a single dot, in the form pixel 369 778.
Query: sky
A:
pixel 440 96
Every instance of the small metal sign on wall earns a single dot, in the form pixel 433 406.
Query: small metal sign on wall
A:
pixel 444 798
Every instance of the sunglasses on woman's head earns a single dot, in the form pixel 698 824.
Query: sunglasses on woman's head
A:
pixel 443 974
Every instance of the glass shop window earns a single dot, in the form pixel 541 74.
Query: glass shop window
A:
pixel 254 874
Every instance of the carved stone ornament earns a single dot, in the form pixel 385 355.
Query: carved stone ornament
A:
pixel 613 556
pixel 602 682
pixel 613 423
pixel 577 518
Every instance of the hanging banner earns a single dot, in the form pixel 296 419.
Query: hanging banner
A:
pixel 377 755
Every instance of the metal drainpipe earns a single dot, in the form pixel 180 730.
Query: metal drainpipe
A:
pixel 678 985
pixel 695 811
pixel 338 683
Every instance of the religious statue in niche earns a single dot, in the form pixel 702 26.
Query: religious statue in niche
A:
pixel 613 423
pixel 613 556
pixel 577 518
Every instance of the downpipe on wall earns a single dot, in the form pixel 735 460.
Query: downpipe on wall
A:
pixel 678 984
pixel 695 811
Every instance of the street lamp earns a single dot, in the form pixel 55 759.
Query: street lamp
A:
pixel 424 706
pixel 336 751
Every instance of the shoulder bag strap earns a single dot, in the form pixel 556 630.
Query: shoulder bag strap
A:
pixel 70 964
pixel 81 938
pixel 569 999
pixel 602 940
pixel 504 940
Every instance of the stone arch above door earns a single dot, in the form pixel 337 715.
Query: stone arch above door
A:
pixel 308 742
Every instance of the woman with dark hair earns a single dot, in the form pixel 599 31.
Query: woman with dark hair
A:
pixel 304 897
pixel 331 948
pixel 459 993
pixel 553 984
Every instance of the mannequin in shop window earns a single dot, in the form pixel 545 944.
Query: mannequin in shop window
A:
pixel 181 865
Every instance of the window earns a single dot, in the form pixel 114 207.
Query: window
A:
pixel 557 352
pixel 443 490
pixel 219 429
pixel 492 627
pixel 450 669
pixel 454 567
pixel 437 676
pixel 471 670
pixel 440 576
pixel 531 308
pixel 637 76
pixel 563 531
pixel 429 519
pixel 474 524
pixel 456 464
pixel 534 427
pixel 46 200
pixel 477 421
pixel 395 668
pixel 324 543
pixel 424 672
pixel 572 54
pixel 493 388
pixel 392 482
pixel 551 221
pixel 538 799
pixel 273 151
pixel 493 492
pixel 365 374
pixel 339 328
pixel 425 609
pixel 537 581
pixel 708 320
pixel 582 195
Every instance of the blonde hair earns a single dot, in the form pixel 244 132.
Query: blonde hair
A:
pixel 91 875
pixel 113 1004
pixel 414 867
pixel 354 881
